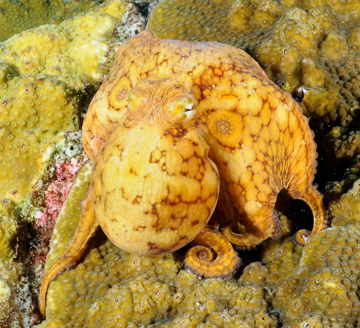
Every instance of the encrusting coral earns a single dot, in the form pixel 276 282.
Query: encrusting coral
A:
pixel 16 305
pixel 20 15
pixel 114 288
pixel 317 286
pixel 46 74
pixel 294 42
pixel 294 286
pixel 8 229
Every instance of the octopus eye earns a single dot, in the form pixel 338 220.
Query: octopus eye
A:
pixel 189 111
pixel 183 109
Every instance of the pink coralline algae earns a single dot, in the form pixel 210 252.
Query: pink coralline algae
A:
pixel 58 190
pixel 55 195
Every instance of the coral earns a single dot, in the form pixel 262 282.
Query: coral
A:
pixel 4 291
pixel 310 48
pixel 334 189
pixel 29 134
pixel 293 43
pixel 114 288
pixel 20 15
pixel 17 302
pixel 316 286
pixel 8 230
pixel 46 75
pixel 312 52
pixel 20 263
pixel 345 210
pixel 10 270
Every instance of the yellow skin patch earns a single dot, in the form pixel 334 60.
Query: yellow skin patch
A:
pixel 175 121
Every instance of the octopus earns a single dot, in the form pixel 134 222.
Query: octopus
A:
pixel 191 143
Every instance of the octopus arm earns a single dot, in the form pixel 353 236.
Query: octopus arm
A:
pixel 213 257
pixel 85 230
pixel 313 198
pixel 249 233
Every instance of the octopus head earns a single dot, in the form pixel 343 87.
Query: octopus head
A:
pixel 154 187
pixel 161 102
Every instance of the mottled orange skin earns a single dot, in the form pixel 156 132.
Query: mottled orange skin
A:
pixel 246 136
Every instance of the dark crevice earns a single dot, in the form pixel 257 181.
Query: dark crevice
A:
pixel 143 8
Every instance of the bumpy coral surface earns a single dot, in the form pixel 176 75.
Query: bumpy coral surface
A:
pixel 8 228
pixel 294 286
pixel 287 39
pixel 20 15
pixel 114 288
pixel 16 305
pixel 310 48
pixel 317 286
pixel 44 74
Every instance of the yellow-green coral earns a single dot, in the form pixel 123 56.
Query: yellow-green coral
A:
pixel 44 74
pixel 8 229
pixel 47 76
pixel 317 286
pixel 4 291
pixel 114 288
pixel 345 211
pixel 20 15
pixel 283 37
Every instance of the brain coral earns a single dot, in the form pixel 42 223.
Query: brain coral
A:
pixel 310 48
pixel 46 74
